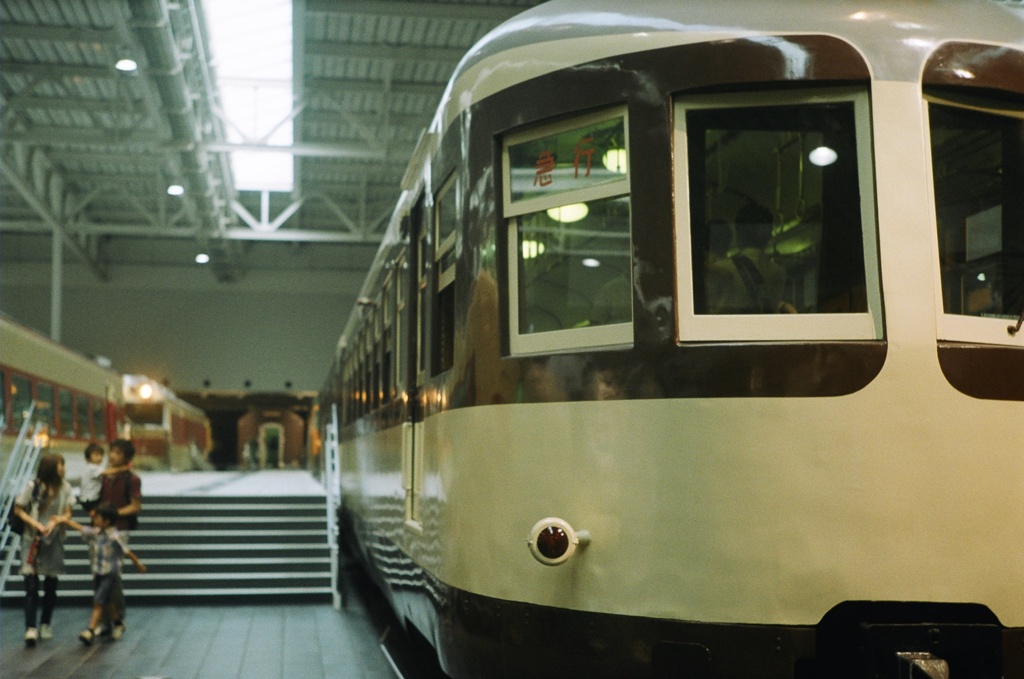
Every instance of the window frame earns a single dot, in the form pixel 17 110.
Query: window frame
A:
pixel 961 327
pixel 611 337
pixel 692 327
pixel 443 316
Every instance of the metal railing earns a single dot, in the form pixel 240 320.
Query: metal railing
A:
pixel 20 468
pixel 332 486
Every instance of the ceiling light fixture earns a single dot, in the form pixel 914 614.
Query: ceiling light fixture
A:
pixel 126 65
pixel 202 258
pixel 823 156
pixel 175 190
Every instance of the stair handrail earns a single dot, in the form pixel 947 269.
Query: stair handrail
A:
pixel 332 487
pixel 20 468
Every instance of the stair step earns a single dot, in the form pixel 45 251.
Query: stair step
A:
pixel 184 596
pixel 213 549
pixel 177 550
pixel 246 500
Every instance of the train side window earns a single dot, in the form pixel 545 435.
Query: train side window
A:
pixel 97 409
pixel 776 218
pixel 66 420
pixel 45 403
pixel 567 199
pixel 446 221
pixel 401 322
pixel 21 399
pixel 977 171
pixel 82 415
pixel 388 341
pixel 377 349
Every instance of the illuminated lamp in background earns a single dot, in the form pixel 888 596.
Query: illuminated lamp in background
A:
pixel 532 248
pixel 567 214
pixel 202 258
pixel 126 65
pixel 175 190
pixel 615 160
pixel 553 541
pixel 145 391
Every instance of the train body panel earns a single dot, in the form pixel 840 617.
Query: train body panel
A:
pixel 760 480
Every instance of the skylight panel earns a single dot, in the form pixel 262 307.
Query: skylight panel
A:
pixel 251 45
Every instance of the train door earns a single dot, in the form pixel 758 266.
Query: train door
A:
pixel 414 279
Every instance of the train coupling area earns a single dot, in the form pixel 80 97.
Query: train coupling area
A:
pixel 923 665
pixel 910 640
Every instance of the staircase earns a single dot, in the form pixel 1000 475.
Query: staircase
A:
pixel 212 550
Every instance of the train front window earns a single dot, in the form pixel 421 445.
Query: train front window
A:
pixel 977 170
pixel 776 218
pixel 566 190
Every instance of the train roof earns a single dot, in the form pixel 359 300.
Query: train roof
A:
pixel 13 331
pixel 895 37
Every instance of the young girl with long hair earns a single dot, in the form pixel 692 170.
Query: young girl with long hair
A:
pixel 41 505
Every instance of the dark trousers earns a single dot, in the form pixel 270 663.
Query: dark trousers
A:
pixel 32 599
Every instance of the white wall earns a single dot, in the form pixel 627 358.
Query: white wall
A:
pixel 178 324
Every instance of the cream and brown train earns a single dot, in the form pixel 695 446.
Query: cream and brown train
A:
pixel 693 348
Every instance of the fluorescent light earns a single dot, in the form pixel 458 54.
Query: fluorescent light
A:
pixel 591 263
pixel 532 249
pixel 202 258
pixel 569 213
pixel 175 190
pixel 615 160
pixel 126 65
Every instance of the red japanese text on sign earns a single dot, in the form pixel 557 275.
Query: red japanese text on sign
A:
pixel 585 150
pixel 544 166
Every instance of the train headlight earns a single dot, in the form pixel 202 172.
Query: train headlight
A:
pixel 553 541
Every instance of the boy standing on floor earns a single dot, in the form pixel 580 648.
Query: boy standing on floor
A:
pixel 122 488
pixel 106 550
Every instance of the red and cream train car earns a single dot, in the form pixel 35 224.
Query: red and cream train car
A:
pixel 577 440
pixel 168 433
pixel 77 398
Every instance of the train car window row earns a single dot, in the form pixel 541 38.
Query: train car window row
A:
pixel 66 414
pixel 776 218
pixel 567 198
pixel 977 170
